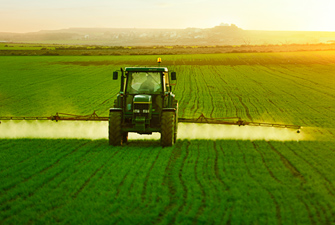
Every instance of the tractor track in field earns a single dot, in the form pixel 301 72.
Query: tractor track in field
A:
pixel 265 164
pixel 281 183
pixel 118 189
pixel 306 105
pixel 211 175
pixel 185 191
pixel 225 92
pixel 60 172
pixel 51 166
pixel 238 96
pixel 245 108
pixel 196 97
pixel 210 94
pixel 288 164
pixel 53 208
pixel 107 100
pixel 216 167
pixel 146 179
pixel 304 79
pixel 309 212
pixel 75 195
pixel 251 94
pixel 277 205
pixel 276 106
pixel 287 93
pixel 193 93
pixel 260 85
pixel 144 161
pixel 255 108
pixel 275 74
pixel 32 193
pixel 182 99
pixel 202 189
pixel 43 170
pixel 23 160
pixel 329 186
pixel 319 160
pixel 219 75
pixel 83 160
pixel 167 180
pixel 267 112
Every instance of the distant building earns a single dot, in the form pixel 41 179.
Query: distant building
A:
pixel 327 40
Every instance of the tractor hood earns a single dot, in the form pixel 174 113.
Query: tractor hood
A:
pixel 142 99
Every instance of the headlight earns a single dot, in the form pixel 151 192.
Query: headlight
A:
pixel 136 111
pixel 145 110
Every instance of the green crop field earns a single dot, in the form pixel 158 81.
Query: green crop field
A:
pixel 197 181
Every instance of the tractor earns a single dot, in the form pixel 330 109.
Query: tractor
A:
pixel 145 104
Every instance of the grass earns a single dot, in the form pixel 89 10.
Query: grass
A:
pixel 72 181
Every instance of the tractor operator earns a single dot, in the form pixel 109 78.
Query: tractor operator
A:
pixel 150 84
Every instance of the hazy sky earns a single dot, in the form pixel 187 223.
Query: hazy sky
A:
pixel 35 15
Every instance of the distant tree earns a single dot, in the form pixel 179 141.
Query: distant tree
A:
pixel 246 41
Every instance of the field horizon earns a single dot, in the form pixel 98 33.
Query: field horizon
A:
pixel 218 35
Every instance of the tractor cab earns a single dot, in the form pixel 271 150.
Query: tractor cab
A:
pixel 144 83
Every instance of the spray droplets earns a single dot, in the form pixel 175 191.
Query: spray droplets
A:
pixel 216 131
pixel 99 130
pixel 50 129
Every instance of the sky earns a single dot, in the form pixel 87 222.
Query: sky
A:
pixel 34 15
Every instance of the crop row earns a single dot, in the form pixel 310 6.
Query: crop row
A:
pixel 82 181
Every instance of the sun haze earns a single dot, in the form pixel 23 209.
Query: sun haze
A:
pixel 36 15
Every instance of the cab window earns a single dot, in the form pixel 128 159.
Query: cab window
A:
pixel 144 83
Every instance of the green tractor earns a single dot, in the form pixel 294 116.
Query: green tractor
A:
pixel 145 104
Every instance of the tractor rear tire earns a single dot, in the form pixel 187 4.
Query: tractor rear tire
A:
pixel 115 135
pixel 168 122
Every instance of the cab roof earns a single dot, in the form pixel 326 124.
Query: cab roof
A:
pixel 146 69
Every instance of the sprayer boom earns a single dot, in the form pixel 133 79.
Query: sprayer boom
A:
pixel 234 121
pixel 201 119
pixel 58 116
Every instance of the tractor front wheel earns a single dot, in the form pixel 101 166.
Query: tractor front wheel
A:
pixel 168 128
pixel 115 135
